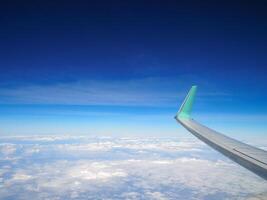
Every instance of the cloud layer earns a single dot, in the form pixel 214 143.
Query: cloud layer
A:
pixel 120 168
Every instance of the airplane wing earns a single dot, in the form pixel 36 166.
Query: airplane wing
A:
pixel 252 158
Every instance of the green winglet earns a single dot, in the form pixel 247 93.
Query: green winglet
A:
pixel 185 110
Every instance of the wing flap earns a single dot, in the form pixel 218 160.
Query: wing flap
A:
pixel 253 153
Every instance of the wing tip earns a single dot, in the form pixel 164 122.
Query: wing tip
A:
pixel 186 108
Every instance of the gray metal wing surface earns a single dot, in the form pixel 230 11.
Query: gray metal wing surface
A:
pixel 252 158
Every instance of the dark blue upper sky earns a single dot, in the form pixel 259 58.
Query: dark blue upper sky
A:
pixel 133 54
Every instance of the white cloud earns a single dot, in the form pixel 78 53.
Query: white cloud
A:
pixel 94 171
pixel 124 169
pixel 7 149
pixel 20 177
pixel 156 196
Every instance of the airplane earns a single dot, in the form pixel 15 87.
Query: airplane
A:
pixel 252 158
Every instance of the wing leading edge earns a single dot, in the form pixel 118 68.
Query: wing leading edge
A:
pixel 252 158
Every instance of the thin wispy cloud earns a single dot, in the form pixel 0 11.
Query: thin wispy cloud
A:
pixel 147 91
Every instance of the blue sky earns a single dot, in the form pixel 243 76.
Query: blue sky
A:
pixel 123 68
